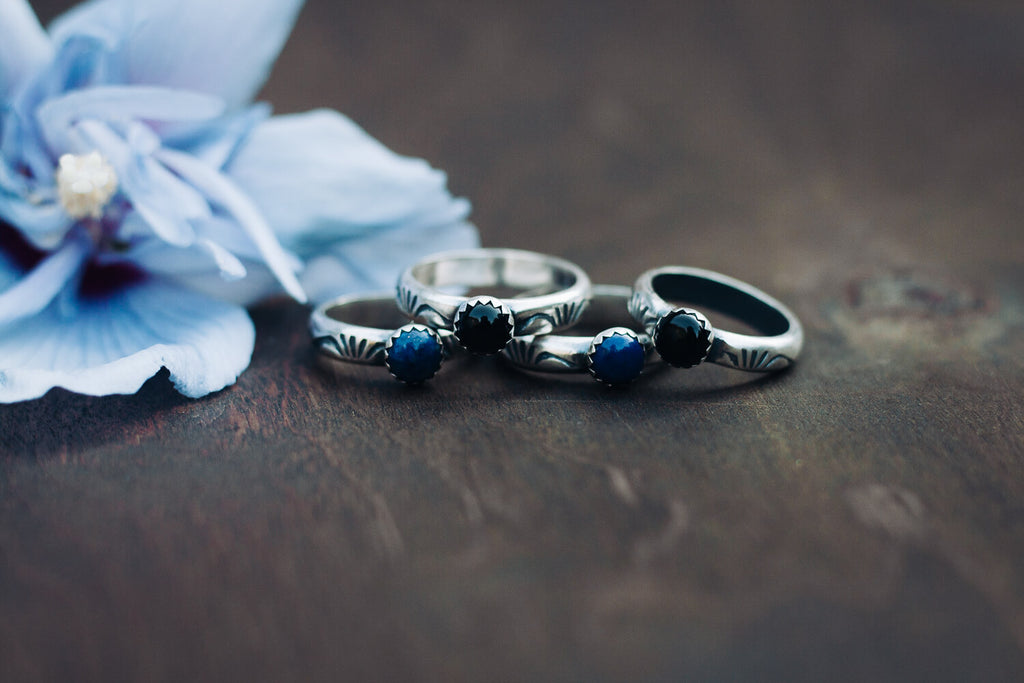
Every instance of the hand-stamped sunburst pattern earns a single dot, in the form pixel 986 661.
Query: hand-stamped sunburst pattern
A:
pixel 409 303
pixel 567 314
pixel 522 352
pixel 641 312
pixel 354 349
pixel 559 317
pixel 756 360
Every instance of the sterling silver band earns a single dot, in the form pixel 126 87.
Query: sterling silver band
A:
pixel 552 294
pixel 684 337
pixel 411 352
pixel 616 355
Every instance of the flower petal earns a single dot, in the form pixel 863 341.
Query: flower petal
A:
pixel 10 271
pixel 114 344
pixel 258 284
pixel 24 46
pixel 221 190
pixel 319 177
pixel 34 292
pixel 193 268
pixel 165 202
pixel 79 63
pixel 103 20
pixel 121 103
pixel 202 258
pixel 43 224
pixel 220 48
pixel 215 142
pixel 373 261
pixel 228 265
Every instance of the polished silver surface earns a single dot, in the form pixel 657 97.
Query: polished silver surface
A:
pixel 783 335
pixel 356 343
pixel 551 293
pixel 566 353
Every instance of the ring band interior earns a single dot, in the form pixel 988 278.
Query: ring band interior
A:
pixel 370 313
pixel 726 299
pixel 494 272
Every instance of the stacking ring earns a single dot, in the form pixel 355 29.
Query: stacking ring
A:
pixel 614 356
pixel 412 352
pixel 684 337
pixel 552 294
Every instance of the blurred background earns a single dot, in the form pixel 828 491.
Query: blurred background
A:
pixel 702 129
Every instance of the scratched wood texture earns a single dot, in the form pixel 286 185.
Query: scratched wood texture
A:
pixel 860 518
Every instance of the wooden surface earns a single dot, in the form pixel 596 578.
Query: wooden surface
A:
pixel 860 518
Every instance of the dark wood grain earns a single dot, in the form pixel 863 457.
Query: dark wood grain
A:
pixel 859 518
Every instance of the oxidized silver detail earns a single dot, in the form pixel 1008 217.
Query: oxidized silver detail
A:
pixel 783 335
pixel 574 354
pixel 555 291
pixel 352 343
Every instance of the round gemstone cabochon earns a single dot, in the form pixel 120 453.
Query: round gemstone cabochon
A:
pixel 484 328
pixel 415 355
pixel 682 339
pixel 617 359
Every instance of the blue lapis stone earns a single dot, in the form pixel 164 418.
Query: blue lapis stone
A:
pixel 618 359
pixel 415 356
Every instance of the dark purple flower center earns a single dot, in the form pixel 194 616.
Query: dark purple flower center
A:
pixel 18 249
pixel 98 280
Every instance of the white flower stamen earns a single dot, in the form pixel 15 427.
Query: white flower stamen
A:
pixel 85 184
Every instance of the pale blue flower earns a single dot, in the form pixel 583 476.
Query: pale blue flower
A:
pixel 181 201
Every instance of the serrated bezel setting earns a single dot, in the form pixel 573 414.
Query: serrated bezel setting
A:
pixel 484 325
pixel 683 337
pixel 413 362
pixel 616 366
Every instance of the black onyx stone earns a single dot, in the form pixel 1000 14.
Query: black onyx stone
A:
pixel 682 340
pixel 484 328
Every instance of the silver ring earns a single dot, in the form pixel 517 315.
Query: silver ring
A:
pixel 614 356
pixel 412 353
pixel 684 337
pixel 552 294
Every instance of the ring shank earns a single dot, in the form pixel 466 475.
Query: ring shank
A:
pixel 552 292
pixel 356 343
pixel 494 271
pixel 783 335
pixel 723 298
pixel 568 354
